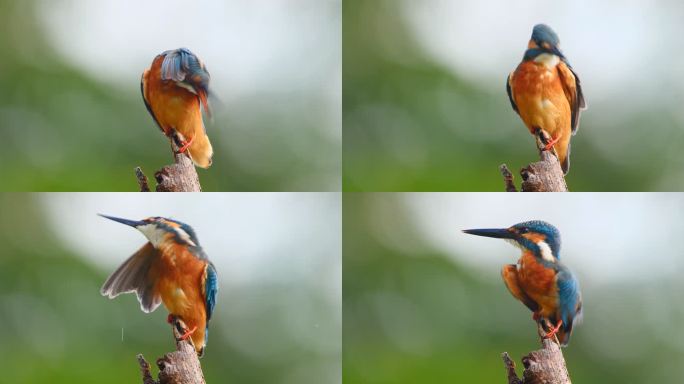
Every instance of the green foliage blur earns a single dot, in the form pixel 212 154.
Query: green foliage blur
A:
pixel 57 328
pixel 65 131
pixel 414 315
pixel 410 124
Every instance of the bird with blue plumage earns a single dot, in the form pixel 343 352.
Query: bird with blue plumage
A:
pixel 175 90
pixel 539 279
pixel 171 268
pixel 545 91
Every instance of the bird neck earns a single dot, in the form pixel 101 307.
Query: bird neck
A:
pixel 542 56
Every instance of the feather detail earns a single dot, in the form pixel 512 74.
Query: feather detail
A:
pixel 133 276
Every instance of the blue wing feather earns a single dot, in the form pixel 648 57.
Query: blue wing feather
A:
pixel 568 296
pixel 210 289
pixel 183 65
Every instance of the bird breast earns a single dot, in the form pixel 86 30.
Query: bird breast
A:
pixel 538 282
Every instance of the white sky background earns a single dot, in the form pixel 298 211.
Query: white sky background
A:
pixel 251 238
pixel 639 232
pixel 615 46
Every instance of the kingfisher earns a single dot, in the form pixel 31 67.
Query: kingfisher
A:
pixel 175 90
pixel 539 280
pixel 171 268
pixel 546 92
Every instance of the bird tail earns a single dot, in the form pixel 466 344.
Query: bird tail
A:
pixel 133 276
pixel 565 163
pixel 201 150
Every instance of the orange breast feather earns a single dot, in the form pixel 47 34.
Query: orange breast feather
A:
pixel 174 107
pixel 540 97
pixel 179 275
pixel 539 283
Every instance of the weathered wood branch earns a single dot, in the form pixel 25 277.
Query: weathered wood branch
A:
pixel 545 175
pixel 543 366
pixel 179 367
pixel 180 176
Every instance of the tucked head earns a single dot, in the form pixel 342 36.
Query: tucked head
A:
pixel 539 237
pixel 159 230
pixel 188 71
pixel 543 37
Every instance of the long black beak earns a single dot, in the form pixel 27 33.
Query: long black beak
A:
pixel 498 233
pixel 131 223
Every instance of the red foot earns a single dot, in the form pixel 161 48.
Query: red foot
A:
pixel 186 145
pixel 170 318
pixel 536 316
pixel 188 333
pixel 554 330
pixel 551 143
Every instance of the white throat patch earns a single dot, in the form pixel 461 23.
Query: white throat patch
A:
pixel 154 234
pixel 545 251
pixel 184 236
pixel 548 59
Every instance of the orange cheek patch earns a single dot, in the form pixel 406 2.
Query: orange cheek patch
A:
pixel 534 237
pixel 171 224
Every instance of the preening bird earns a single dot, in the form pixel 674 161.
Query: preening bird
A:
pixel 171 268
pixel 175 89
pixel 546 92
pixel 539 280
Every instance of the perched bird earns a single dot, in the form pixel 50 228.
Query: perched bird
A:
pixel 171 268
pixel 539 279
pixel 175 89
pixel 546 92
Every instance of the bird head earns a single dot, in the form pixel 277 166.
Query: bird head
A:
pixel 544 40
pixel 160 230
pixel 538 237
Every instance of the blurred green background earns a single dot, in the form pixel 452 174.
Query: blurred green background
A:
pixel 72 117
pixel 425 106
pixel 424 303
pixel 278 312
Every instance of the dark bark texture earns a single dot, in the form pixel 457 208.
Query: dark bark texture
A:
pixel 181 176
pixel 545 175
pixel 179 367
pixel 543 366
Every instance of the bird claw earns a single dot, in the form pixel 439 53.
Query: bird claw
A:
pixel 176 138
pixel 188 333
pixel 551 333
pixel 548 140
pixel 185 145
pixel 551 143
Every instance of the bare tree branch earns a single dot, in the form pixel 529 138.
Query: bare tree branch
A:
pixel 543 366
pixel 545 175
pixel 179 367
pixel 178 177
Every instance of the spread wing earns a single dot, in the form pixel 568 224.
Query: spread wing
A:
pixel 133 276
pixel 573 92
pixel 509 90
pixel 210 288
